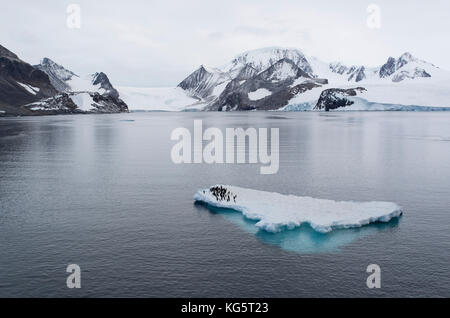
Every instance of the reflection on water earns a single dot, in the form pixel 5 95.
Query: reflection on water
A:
pixel 303 239
pixel 103 192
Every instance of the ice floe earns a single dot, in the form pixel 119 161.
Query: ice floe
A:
pixel 276 212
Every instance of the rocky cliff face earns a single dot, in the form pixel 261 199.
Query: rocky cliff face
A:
pixel 21 83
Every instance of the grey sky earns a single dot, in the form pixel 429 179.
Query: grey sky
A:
pixel 158 43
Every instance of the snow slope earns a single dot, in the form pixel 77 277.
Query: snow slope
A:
pixel 276 212
pixel 83 101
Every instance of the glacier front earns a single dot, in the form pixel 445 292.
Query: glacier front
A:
pixel 276 212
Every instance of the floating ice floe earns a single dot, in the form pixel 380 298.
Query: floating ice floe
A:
pixel 276 212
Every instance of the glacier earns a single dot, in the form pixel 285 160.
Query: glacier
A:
pixel 275 212
pixel 157 99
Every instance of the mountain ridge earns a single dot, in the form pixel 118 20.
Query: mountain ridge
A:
pixel 394 75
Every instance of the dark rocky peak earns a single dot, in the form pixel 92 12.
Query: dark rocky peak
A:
pixel 358 74
pixel 388 68
pixel 193 79
pixel 4 52
pixel 103 80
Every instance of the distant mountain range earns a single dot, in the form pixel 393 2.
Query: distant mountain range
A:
pixel 287 79
pixel 49 88
pixel 266 79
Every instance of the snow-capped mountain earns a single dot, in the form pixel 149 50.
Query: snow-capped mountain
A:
pixel 287 79
pixel 90 93
pixel 262 59
pixel 57 74
pixel 405 67
pixel 49 88
pixel 270 89
pixel 207 84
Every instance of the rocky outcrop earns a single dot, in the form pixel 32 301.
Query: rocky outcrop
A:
pixel 108 103
pixel 336 98
pixel 66 103
pixel 58 104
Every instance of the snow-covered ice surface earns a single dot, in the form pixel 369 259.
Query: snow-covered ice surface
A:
pixel 423 93
pixel 154 99
pixel 276 212
pixel 83 101
pixel 259 94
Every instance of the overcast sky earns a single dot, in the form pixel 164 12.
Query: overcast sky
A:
pixel 158 43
